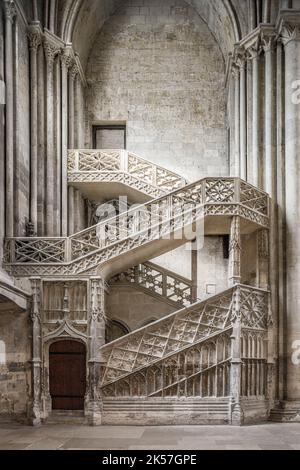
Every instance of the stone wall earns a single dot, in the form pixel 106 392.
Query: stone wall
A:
pixel 15 382
pixel 134 308
pixel 157 67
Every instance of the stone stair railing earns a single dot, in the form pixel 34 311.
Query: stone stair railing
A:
pixel 108 166
pixel 154 279
pixel 166 345
pixel 158 219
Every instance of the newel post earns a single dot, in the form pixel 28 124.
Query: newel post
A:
pixel 236 412
pixel 35 410
pixel 97 320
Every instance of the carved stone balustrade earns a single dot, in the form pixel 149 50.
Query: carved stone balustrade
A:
pixel 145 231
pixel 120 167
pixel 157 281
pixel 191 352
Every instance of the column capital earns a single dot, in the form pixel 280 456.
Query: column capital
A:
pixel 10 10
pixel 34 34
pixel 67 57
pixel 51 51
pixel 254 51
pixel 74 71
pixel 52 46
pixel 288 26
pixel 268 42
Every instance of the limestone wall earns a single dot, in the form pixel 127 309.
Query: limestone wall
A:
pixel 134 308
pixel 15 367
pixel 158 68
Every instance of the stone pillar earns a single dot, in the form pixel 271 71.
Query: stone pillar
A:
pixel 51 51
pixel 66 61
pixel 266 11
pixel 34 36
pixel 270 113
pixel 57 152
pixel 36 407
pixel 97 320
pixel 243 118
pixel 41 143
pixel 236 417
pixel 71 193
pixel 236 75
pixel 256 179
pixel 10 14
pixel 235 251
pixel 290 30
pixel 269 46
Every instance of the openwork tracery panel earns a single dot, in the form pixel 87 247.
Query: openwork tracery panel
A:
pixel 166 337
pixel 199 371
pixel 158 281
pixel 64 302
pixel 165 345
pixel 176 213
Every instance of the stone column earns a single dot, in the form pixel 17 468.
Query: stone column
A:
pixel 71 193
pixel 243 118
pixel 93 402
pixel 269 46
pixel 51 51
pixel 256 136
pixel 66 62
pixel 236 75
pixel 235 251
pixel 266 11
pixel 34 36
pixel 270 113
pixel 36 408
pixel 290 30
pixel 10 14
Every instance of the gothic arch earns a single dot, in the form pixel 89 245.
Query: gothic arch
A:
pixel 76 19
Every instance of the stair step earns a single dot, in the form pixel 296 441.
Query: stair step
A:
pixel 66 417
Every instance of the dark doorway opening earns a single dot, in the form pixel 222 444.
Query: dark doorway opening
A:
pixel 109 137
pixel 67 375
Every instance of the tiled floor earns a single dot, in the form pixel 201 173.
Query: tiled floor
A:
pixel 262 437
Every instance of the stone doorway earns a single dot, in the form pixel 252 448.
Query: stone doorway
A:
pixel 67 375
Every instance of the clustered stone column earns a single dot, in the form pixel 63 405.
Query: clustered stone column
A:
pixel 290 31
pixel 256 179
pixel 51 50
pixel 34 37
pixel 10 14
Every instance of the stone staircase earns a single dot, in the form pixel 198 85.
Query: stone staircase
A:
pixel 144 232
pixel 197 365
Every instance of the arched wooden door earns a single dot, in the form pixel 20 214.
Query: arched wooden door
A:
pixel 67 375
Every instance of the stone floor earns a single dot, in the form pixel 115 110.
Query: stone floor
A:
pixel 48 437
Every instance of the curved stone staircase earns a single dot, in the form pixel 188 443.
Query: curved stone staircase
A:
pixel 207 362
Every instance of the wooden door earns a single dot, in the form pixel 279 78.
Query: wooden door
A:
pixel 67 375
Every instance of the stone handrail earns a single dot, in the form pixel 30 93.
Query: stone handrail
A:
pixel 181 330
pixel 160 281
pixel 85 162
pixel 155 220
